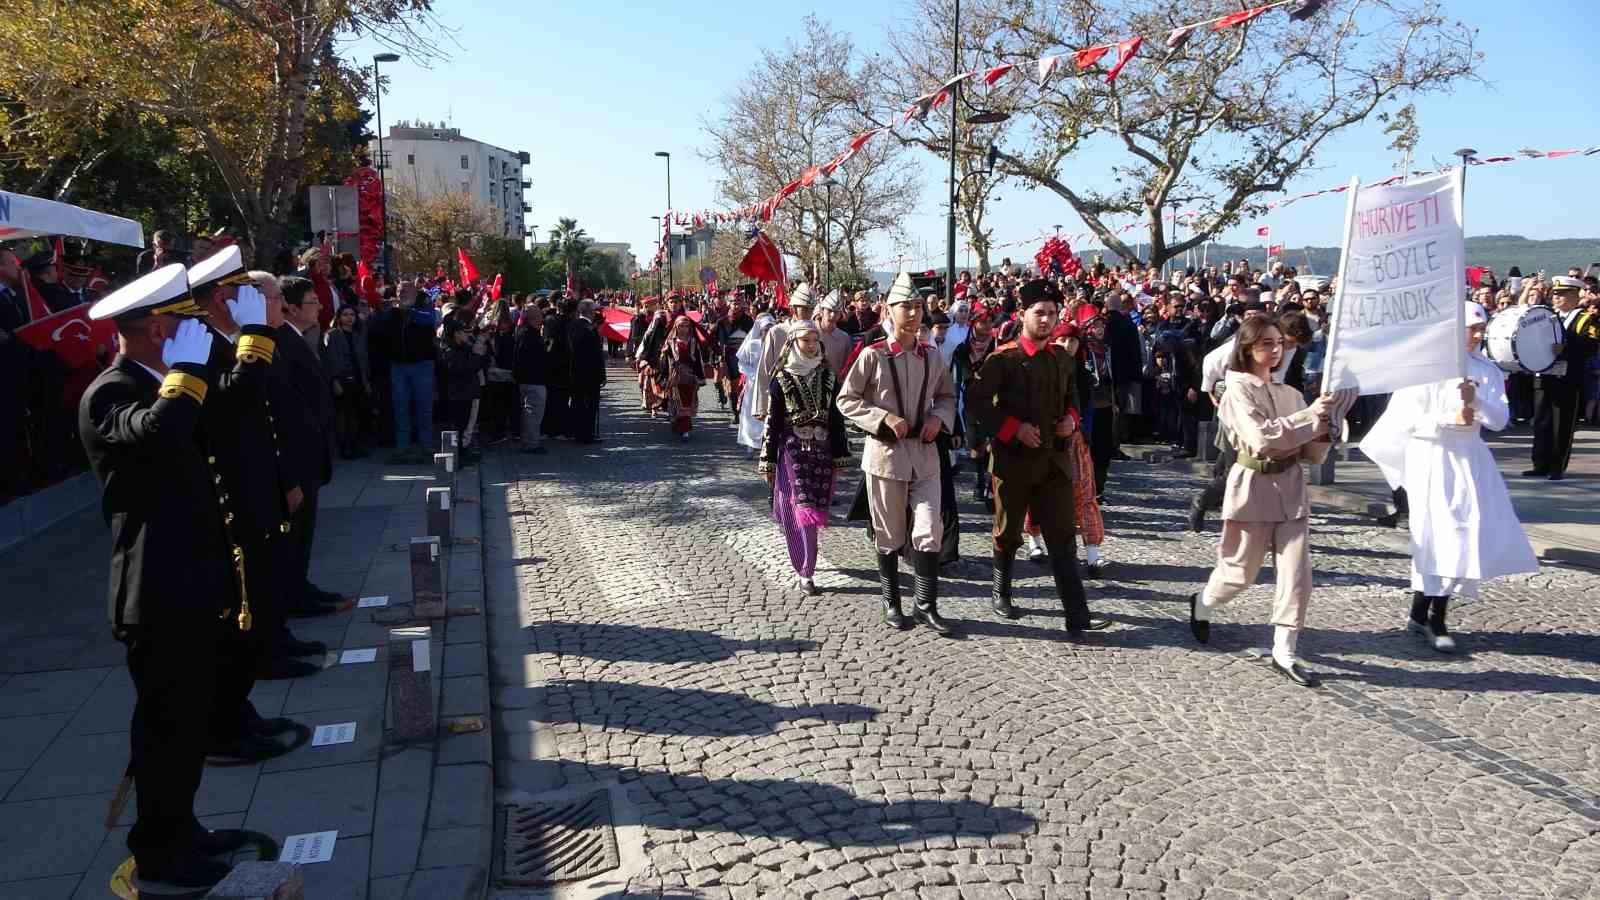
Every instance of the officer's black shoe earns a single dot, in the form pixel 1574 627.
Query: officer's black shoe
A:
pixel 289 645
pixel 889 584
pixel 1536 473
pixel 220 841
pixel 1388 520
pixel 1296 674
pixel 1200 629
pixel 926 611
pixel 1197 516
pixel 266 728
pixel 247 749
pixel 277 668
pixel 1001 599
pixel 1074 604
pixel 184 871
pixel 1557 476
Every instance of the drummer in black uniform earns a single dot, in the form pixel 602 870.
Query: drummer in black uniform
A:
pixel 173 599
pixel 1562 397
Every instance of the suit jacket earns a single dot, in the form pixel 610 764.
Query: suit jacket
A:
pixel 238 429
pixel 868 396
pixel 170 565
pixel 588 360
pixel 1014 388
pixel 303 402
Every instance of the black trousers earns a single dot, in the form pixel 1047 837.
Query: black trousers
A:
pixel 1553 423
pixel 302 531
pixel 172 671
pixel 1519 390
pixel 1211 497
pixel 1102 444
pixel 583 413
pixel 949 512
pixel 556 401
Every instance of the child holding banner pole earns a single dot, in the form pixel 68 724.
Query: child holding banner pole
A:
pixel 1265 506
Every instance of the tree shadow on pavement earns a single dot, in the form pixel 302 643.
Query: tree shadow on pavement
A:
pixel 679 711
pixel 647 643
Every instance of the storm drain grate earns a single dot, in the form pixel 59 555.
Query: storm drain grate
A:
pixel 565 840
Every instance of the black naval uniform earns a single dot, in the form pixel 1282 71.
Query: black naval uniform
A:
pixel 1562 399
pixel 238 429
pixel 172 597
pixel 302 401
pixel 1022 384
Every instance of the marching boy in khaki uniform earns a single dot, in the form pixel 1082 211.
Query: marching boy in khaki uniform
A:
pixel 899 392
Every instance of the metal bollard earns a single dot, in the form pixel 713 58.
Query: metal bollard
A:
pixel 450 441
pixel 411 683
pixel 439 514
pixel 444 468
pixel 427 578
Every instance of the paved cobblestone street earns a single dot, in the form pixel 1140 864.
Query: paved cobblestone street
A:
pixel 775 745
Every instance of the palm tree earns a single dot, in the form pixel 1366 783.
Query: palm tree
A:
pixel 570 244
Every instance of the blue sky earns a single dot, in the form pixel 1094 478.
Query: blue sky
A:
pixel 593 91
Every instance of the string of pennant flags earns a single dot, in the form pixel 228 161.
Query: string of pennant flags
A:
pixel 702 219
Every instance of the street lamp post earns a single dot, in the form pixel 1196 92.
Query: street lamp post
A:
pixel 668 235
pixel 950 213
pixel 383 164
pixel 659 239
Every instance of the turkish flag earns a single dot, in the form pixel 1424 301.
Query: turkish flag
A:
pixel 469 272
pixel 494 289
pixel 994 74
pixel 1275 250
pixel 1239 18
pixel 1263 231
pixel 1086 58
pixel 1125 51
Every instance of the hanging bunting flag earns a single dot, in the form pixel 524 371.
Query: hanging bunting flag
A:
pixel 1591 151
pixel 860 140
pixel 1180 36
pixel 1088 57
pixel 1239 18
pixel 919 108
pixel 1125 51
pixel 810 176
pixel 1557 154
pixel 833 164
pixel 1530 153
pixel 994 74
pixel 1047 65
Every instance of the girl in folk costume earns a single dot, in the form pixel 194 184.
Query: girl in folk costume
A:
pixel 1265 505
pixel 1463 528
pixel 1099 415
pixel 749 359
pixel 679 373
pixel 1086 509
pixel 803 445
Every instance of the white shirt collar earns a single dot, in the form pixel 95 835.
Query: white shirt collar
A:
pixel 295 327
pixel 153 373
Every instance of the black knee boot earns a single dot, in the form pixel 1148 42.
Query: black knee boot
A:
pixel 1001 600
pixel 1437 631
pixel 1073 602
pixel 980 487
pixel 1419 610
pixel 889 584
pixel 927 609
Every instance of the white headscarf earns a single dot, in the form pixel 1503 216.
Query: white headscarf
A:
pixel 793 361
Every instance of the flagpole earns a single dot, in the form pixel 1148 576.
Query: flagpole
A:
pixel 950 213
pixel 1337 306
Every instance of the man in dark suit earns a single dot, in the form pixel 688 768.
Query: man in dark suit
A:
pixel 305 400
pixel 1127 368
pixel 240 431
pixel 588 363
pixel 161 253
pixel 172 598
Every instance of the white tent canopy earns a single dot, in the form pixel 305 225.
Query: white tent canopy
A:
pixel 22 216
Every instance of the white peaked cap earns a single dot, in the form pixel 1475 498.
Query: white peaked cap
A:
pixel 216 267
pixel 1476 314
pixel 147 293
pixel 831 301
pixel 902 291
pixel 803 295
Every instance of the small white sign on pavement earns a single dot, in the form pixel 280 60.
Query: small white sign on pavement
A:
pixel 360 655
pixel 419 656
pixel 311 847
pixel 370 602
pixel 338 733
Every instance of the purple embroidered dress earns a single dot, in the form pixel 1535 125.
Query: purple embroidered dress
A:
pixel 804 444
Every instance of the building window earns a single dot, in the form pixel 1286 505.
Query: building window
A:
pixel 464 163
pixel 411 159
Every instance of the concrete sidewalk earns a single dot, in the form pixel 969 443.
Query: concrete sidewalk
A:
pixel 412 821
pixel 1562 518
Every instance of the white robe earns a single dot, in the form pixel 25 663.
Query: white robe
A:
pixel 1463 527
pixel 749 363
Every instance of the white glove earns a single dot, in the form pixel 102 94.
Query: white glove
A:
pixel 191 344
pixel 250 308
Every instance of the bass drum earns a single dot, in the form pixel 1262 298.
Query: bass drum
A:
pixel 1523 339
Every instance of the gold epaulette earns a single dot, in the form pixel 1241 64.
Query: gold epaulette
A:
pixel 182 384
pixel 255 348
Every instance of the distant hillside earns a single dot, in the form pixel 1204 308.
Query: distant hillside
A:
pixel 1500 251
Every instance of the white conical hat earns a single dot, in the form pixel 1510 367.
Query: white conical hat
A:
pixel 803 295
pixel 832 301
pixel 902 291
